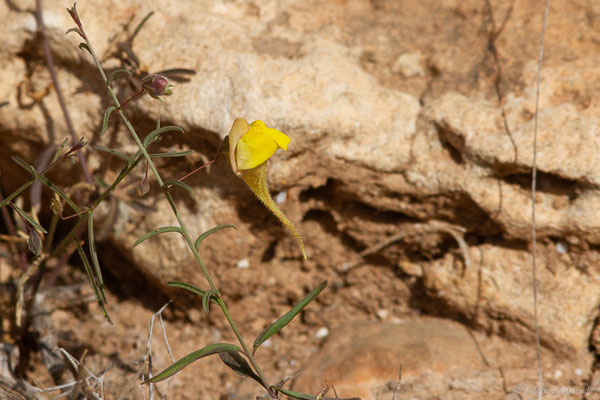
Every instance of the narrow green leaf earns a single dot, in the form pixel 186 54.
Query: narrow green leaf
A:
pixel 158 231
pixel 59 150
pixel 180 364
pixel 59 192
pixel 25 166
pixel 210 232
pixel 304 396
pixel 116 74
pixel 113 152
pixel 175 182
pixel 107 113
pixel 16 193
pixel 84 46
pixel 236 362
pixel 92 278
pixel 76 30
pixel 152 135
pixel 30 220
pixel 140 25
pixel 211 293
pixel 172 154
pixel 287 317
pixel 94 255
pixel 191 288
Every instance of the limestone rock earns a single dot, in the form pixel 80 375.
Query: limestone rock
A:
pixel 497 292
pixel 363 357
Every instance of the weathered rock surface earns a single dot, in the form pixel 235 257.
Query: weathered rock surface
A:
pixel 438 358
pixel 361 358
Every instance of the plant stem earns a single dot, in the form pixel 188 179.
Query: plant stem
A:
pixel 61 100
pixel 169 198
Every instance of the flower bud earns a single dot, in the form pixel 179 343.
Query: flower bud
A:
pixel 157 85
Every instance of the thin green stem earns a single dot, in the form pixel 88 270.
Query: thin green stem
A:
pixel 67 238
pixel 186 235
pixel 51 232
pixel 118 180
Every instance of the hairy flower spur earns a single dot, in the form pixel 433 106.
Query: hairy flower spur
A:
pixel 248 148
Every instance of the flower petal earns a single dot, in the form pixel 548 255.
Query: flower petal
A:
pixel 258 144
pixel 238 129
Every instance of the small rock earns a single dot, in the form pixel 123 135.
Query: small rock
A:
pixel 557 374
pixel 243 263
pixel 322 332
pixel 562 247
pixel 409 65
pixel 361 357
pixel 281 197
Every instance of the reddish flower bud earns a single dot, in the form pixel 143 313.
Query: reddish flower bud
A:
pixel 157 85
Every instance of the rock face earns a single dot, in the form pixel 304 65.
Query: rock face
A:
pixel 401 116
pixel 361 358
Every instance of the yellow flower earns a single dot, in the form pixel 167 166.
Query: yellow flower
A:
pixel 250 146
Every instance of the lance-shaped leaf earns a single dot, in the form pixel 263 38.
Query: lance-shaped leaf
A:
pixel 209 295
pixel 74 30
pixel 172 154
pixel 116 74
pixel 193 289
pixel 92 278
pixel 84 46
pixel 175 182
pixel 113 152
pixel 94 255
pixel 180 364
pixel 107 113
pixel 152 135
pixel 287 317
pixel 27 167
pixel 59 150
pixel 16 193
pixel 60 193
pixel 27 218
pixel 236 362
pixel 140 25
pixel 210 232
pixel 158 231
pixel 304 396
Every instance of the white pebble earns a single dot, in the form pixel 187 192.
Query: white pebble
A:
pixel 322 332
pixel 267 343
pixel 557 374
pixel 382 313
pixel 562 247
pixel 243 263
pixel 578 372
pixel 281 197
